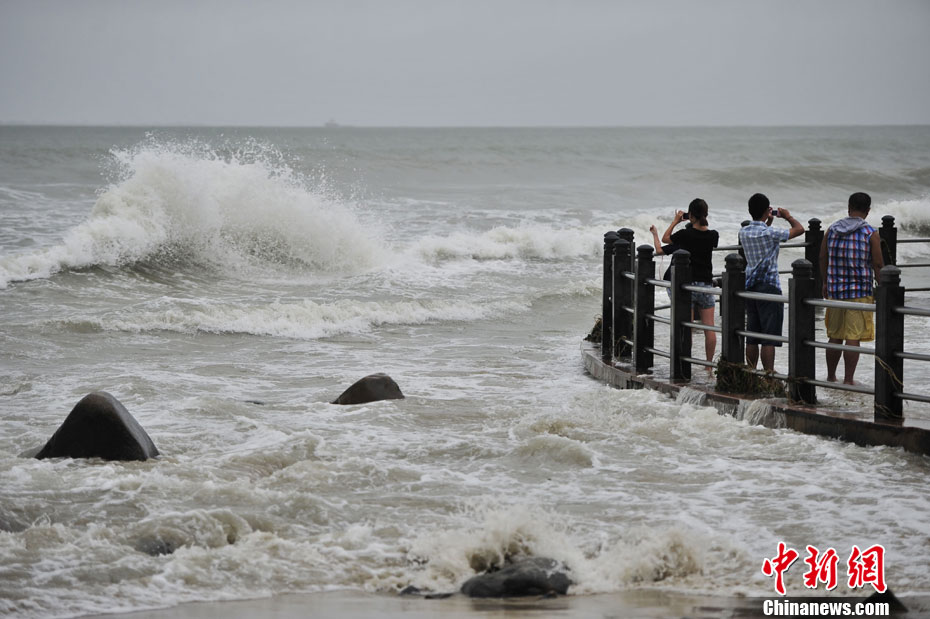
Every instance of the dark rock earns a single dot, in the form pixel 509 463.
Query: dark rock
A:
pixel 99 426
pixel 371 389
pixel 9 525
pixel 533 576
pixel 596 333
pixel 426 595
pixel 155 547
pixel 894 604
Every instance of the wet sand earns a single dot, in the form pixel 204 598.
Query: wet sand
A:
pixel 359 605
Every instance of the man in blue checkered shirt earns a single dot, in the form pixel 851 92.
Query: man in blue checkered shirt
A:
pixel 760 243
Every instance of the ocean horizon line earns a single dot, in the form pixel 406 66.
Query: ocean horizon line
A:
pixel 339 126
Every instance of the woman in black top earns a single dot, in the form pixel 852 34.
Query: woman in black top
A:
pixel 700 241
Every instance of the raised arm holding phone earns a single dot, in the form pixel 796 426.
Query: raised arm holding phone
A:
pixel 761 242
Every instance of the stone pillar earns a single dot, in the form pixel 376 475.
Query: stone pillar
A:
pixel 622 297
pixel 813 237
pixel 733 310
pixel 802 362
pixel 889 236
pixel 889 339
pixel 742 224
pixel 607 304
pixel 644 303
pixel 679 335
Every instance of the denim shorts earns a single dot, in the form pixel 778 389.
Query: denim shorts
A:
pixel 699 300
pixel 702 300
pixel 764 316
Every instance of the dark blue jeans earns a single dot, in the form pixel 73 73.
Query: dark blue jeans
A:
pixel 764 316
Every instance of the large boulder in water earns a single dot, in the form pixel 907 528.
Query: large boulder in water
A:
pixel 370 389
pixel 533 576
pixel 99 426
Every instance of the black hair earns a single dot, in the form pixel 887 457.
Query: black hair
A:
pixel 698 210
pixel 758 206
pixel 860 202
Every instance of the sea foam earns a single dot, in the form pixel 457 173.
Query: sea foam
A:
pixel 499 534
pixel 226 210
pixel 506 242
pixel 301 320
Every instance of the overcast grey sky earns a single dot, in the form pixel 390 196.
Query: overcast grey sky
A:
pixel 465 63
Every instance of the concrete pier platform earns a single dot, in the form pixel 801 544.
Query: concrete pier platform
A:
pixel 855 426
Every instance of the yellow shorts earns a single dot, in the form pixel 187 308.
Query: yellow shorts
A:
pixel 843 324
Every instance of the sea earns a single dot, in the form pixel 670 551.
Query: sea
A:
pixel 226 284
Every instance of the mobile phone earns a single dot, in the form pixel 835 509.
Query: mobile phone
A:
pixel 774 212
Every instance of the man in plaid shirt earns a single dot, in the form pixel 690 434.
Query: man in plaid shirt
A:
pixel 760 243
pixel 850 258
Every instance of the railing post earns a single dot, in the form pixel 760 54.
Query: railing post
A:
pixel 889 236
pixel 813 238
pixel 622 297
pixel 627 235
pixel 607 305
pixel 742 224
pixel 644 302
pixel 889 339
pixel 802 361
pixel 679 343
pixel 733 309
pixel 626 288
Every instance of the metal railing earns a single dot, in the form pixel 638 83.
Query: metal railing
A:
pixel 630 315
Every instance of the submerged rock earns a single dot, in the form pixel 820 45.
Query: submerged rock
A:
pixel 372 388
pixel 533 576
pixel 410 590
pixel 596 332
pixel 155 546
pixel 99 426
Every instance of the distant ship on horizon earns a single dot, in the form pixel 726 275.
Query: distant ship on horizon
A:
pixel 331 123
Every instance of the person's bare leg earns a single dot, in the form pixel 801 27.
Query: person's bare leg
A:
pixel 768 358
pixel 850 361
pixel 833 360
pixel 752 355
pixel 710 338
